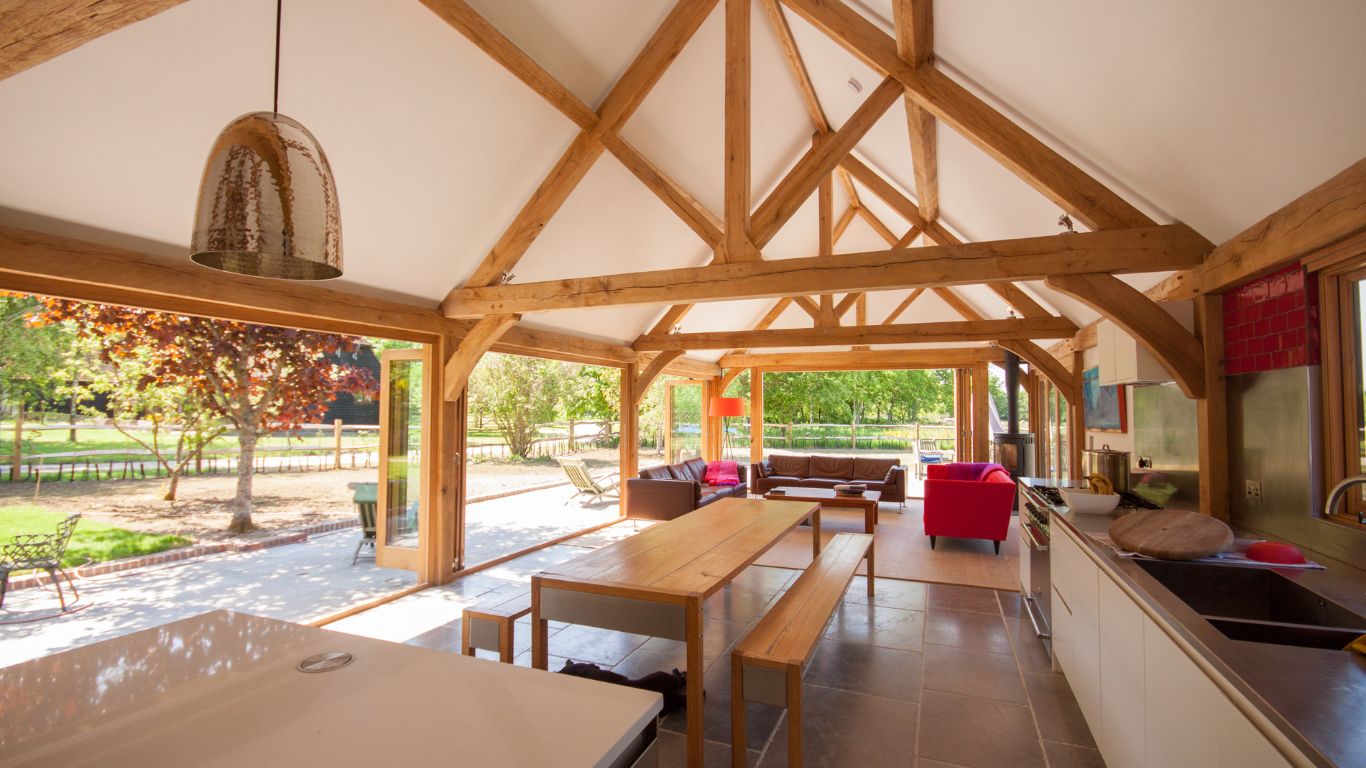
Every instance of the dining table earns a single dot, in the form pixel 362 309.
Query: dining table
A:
pixel 655 582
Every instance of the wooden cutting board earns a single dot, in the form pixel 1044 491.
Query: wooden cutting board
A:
pixel 1171 534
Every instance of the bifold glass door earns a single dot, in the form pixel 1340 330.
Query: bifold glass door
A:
pixel 683 420
pixel 404 443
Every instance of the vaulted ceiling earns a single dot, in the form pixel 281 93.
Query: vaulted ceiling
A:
pixel 1212 114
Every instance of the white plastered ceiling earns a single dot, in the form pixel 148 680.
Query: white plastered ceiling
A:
pixel 1212 113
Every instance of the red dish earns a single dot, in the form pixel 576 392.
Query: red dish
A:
pixel 1275 552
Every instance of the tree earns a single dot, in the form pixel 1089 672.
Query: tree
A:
pixel 31 356
pixel 259 378
pixel 519 393
pixel 180 424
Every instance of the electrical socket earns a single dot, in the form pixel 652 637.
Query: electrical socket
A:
pixel 1254 489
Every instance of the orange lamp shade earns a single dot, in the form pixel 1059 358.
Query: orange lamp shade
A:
pixel 727 406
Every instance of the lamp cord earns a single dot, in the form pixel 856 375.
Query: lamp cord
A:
pixel 279 8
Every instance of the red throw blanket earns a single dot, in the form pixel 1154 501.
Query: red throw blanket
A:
pixel 723 473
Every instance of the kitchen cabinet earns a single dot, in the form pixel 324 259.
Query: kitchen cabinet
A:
pixel 1076 582
pixel 1147 702
pixel 1123 360
pixel 1122 735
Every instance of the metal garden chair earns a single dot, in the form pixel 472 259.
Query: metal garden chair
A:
pixel 366 497
pixel 584 482
pixel 40 551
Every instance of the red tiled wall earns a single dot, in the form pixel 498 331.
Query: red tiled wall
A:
pixel 1272 323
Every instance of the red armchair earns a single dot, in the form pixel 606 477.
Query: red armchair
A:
pixel 968 501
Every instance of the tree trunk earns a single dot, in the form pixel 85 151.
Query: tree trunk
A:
pixel 246 467
pixel 172 484
pixel 18 457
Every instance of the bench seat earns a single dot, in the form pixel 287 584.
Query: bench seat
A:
pixel 488 626
pixel 768 663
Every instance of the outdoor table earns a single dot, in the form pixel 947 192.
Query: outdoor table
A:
pixel 654 583
pixel 225 690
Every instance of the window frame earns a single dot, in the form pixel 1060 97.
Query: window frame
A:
pixel 1343 380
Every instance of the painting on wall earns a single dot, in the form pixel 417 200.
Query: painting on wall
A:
pixel 1105 408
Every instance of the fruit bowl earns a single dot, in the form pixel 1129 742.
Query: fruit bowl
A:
pixel 1088 503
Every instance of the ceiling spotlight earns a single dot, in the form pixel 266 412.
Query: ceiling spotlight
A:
pixel 855 85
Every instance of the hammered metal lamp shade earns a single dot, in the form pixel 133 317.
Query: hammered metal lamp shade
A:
pixel 267 203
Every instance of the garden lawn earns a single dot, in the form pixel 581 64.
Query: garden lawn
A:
pixel 91 542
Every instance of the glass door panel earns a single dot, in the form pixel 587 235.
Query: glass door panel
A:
pixel 683 420
pixel 403 450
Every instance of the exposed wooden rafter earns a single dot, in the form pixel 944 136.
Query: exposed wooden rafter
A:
pixel 908 333
pixel 1171 246
pixel 1140 317
pixel 33 31
pixel 877 359
pixel 822 159
pixel 1037 164
pixel 616 108
pixel 472 347
pixel 914 22
pixel 739 246
pixel 652 371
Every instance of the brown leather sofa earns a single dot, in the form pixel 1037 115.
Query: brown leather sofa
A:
pixel 667 491
pixel 886 475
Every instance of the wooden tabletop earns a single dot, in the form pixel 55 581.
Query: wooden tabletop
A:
pixel 696 554
pixel 801 493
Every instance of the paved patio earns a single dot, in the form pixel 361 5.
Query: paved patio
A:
pixel 294 582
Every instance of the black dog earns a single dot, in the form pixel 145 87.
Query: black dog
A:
pixel 673 686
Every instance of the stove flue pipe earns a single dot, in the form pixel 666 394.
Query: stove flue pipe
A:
pixel 1012 365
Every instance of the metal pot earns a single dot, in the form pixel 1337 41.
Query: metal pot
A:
pixel 1113 465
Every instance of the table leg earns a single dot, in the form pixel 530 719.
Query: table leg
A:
pixel 739 749
pixel 870 527
pixel 816 533
pixel 693 629
pixel 540 632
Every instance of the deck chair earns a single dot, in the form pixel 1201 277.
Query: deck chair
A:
pixel 584 482
pixel 366 497
pixel 927 452
pixel 40 551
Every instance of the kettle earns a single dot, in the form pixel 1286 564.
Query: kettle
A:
pixel 1113 465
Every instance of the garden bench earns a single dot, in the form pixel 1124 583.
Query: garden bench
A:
pixel 489 626
pixel 767 664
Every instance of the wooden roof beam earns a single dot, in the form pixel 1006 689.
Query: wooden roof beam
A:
pixel 620 103
pixel 880 359
pixel 819 161
pixel 1038 165
pixel 914 22
pixel 33 31
pixel 910 333
pixel 1172 246
pixel 739 245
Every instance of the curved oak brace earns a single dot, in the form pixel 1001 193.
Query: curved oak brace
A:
pixel 1040 359
pixel 472 347
pixel 651 372
pixel 730 375
pixel 1173 346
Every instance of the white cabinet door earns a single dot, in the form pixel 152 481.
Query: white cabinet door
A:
pixel 1077 583
pixel 1245 746
pixel 1182 707
pixel 1122 734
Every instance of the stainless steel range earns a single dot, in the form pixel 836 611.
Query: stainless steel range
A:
pixel 1039 497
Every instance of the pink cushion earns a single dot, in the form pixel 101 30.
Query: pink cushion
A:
pixel 723 473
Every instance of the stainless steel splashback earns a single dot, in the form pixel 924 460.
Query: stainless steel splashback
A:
pixel 1165 433
pixel 1275 440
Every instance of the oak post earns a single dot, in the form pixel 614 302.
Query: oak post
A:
pixel 628 449
pixel 1211 413
pixel 756 416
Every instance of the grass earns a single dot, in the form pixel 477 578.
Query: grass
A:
pixel 91 542
pixel 57 441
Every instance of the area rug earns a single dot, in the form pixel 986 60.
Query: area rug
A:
pixel 903 550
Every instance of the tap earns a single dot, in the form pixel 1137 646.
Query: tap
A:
pixel 1339 491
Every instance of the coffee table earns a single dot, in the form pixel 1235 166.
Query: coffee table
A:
pixel 827 497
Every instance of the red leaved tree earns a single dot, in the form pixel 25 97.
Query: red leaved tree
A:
pixel 260 379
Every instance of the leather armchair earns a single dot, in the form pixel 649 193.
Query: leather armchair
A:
pixel 968 501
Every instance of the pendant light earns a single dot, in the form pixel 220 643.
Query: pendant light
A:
pixel 267 203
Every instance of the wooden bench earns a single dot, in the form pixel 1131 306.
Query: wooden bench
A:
pixel 767 665
pixel 489 626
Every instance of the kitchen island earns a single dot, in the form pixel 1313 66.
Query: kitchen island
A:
pixel 1159 684
pixel 227 689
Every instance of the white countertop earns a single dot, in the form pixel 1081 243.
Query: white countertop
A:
pixel 221 689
